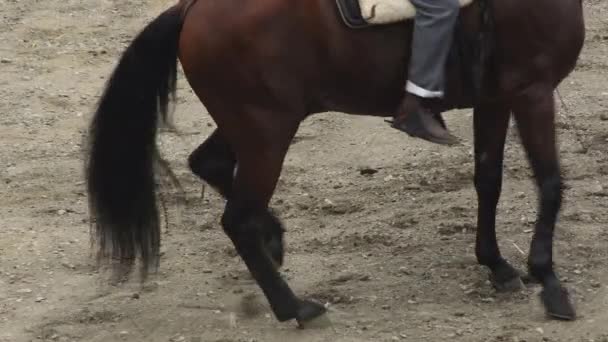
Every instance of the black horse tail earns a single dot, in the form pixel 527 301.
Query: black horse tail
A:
pixel 122 151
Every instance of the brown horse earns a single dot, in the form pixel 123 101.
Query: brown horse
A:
pixel 261 67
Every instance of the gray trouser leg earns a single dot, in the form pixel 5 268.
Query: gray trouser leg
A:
pixel 433 35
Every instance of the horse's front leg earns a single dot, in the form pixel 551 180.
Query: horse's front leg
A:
pixel 490 125
pixel 534 112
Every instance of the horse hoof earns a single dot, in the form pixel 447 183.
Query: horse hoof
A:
pixel 312 315
pixel 557 303
pixel 510 285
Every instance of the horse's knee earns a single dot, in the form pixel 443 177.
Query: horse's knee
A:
pixel 488 183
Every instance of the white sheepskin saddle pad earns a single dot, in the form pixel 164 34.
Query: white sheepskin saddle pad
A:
pixel 377 12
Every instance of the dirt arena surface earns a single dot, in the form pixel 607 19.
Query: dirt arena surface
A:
pixel 392 252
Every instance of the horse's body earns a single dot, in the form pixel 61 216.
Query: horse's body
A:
pixel 262 66
pixel 312 57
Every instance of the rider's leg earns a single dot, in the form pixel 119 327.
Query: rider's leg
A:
pixel 433 35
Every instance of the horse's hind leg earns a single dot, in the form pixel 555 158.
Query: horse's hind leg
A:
pixel 534 111
pixel 490 125
pixel 214 162
pixel 260 151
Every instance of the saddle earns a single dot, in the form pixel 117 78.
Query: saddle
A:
pixel 469 54
pixel 364 13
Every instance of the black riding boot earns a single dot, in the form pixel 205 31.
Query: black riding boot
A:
pixel 419 121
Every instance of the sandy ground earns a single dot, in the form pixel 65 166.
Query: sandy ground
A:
pixel 392 254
